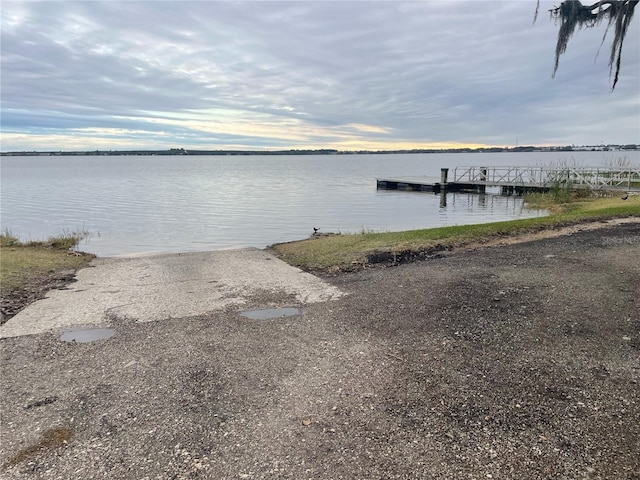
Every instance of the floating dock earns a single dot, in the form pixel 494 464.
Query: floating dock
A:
pixel 433 184
pixel 423 184
pixel 518 180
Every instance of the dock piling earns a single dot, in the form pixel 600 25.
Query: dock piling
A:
pixel 482 188
pixel 444 174
pixel 443 198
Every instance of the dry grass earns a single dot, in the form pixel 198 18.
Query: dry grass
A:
pixel 22 261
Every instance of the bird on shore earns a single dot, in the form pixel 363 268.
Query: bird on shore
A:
pixel 315 230
pixel 625 196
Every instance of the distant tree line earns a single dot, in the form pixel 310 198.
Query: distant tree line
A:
pixel 322 151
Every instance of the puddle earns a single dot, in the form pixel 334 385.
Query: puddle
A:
pixel 268 313
pixel 86 335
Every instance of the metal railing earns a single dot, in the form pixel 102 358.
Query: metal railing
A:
pixel 549 177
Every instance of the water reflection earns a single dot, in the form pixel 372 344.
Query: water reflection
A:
pixel 140 205
pixel 269 313
pixel 86 335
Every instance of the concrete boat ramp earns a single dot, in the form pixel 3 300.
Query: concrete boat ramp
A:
pixel 159 287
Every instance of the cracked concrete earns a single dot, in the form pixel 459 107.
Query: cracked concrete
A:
pixel 160 287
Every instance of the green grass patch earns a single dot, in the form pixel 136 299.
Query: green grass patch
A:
pixel 21 262
pixel 352 251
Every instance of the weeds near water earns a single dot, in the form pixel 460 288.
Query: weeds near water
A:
pixel 556 198
pixel 620 162
pixel 8 239
pixel 65 241
pixel 36 260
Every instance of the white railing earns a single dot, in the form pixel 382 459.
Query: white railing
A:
pixel 549 177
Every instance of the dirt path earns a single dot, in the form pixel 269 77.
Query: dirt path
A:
pixel 519 361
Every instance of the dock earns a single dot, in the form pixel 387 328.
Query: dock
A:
pixel 420 184
pixel 519 180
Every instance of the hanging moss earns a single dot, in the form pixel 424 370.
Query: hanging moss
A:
pixel 572 14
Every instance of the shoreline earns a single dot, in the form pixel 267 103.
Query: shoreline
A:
pixel 518 361
pixel 16 301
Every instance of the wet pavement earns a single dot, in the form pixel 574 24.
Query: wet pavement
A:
pixel 86 335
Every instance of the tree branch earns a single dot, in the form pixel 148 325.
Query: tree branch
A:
pixel 572 14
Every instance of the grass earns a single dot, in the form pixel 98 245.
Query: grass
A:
pixel 558 199
pixel 352 251
pixel 21 262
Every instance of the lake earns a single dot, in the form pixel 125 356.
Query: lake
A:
pixel 159 204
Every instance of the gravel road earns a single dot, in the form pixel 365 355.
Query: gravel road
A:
pixel 518 361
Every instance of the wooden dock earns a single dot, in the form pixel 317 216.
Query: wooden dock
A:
pixel 433 184
pixel 518 180
pixel 420 184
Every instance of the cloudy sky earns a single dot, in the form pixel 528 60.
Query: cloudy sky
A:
pixel 306 74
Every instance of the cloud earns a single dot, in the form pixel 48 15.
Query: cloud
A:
pixel 303 74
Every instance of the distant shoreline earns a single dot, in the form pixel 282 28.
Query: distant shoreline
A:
pixel 324 151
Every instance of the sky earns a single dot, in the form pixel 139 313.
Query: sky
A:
pixel 346 75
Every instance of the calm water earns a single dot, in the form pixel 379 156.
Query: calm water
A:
pixel 151 204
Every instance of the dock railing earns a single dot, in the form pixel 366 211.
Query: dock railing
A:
pixel 549 177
